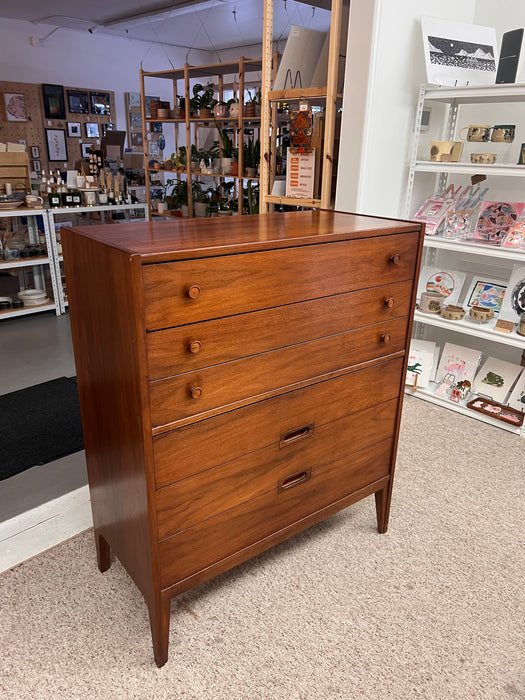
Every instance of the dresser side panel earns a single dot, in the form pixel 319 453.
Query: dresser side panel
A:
pixel 105 304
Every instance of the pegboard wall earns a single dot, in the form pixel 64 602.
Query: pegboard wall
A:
pixel 23 119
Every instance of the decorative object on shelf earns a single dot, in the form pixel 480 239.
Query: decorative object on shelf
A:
pixel 448 283
pixel 496 219
pixel 497 410
pixel 73 129
pixel 432 213
pixel 481 314
pixel 445 151
pixel 457 53
pixel 517 395
pixel 78 101
pixel 521 325
pixel 476 132
pixel 54 103
pixel 453 312
pixel 515 238
pixel 458 361
pixel 446 383
pixel 503 133
pixel 513 304
pixel 15 107
pixel 56 144
pixel 489 294
pixel 464 387
pixel 100 102
pixel 301 128
pixel 419 368
pixel 33 201
pixel 504 326
pixel 431 302
pixel 496 378
pixel 521 160
pixel 483 158
pixel 34 297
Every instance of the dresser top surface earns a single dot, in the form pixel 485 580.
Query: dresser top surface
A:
pixel 186 238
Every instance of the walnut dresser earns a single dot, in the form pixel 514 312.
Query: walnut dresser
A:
pixel 239 381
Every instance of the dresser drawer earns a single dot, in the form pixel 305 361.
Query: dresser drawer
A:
pixel 212 540
pixel 180 349
pixel 284 421
pixel 193 393
pixel 185 503
pixel 189 291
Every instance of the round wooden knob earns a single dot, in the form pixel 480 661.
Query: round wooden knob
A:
pixel 196 392
pixel 389 302
pixel 385 338
pixel 194 291
pixel 395 259
pixel 195 346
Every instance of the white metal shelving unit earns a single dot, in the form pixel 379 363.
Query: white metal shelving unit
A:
pixel 436 248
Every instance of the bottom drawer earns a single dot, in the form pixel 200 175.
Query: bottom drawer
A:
pixel 214 539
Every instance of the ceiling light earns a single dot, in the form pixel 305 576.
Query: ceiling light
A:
pixel 164 13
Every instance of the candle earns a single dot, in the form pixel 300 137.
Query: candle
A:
pixel 8 188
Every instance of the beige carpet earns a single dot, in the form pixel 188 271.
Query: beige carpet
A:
pixel 434 609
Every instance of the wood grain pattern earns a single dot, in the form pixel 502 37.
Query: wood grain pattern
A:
pixel 236 284
pixel 170 351
pixel 200 446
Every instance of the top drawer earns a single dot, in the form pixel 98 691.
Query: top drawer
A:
pixel 195 290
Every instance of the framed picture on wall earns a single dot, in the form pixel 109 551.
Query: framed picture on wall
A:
pixel 15 107
pixel 73 129
pixel 56 144
pixel 86 149
pixel 92 130
pixel 54 103
pixel 36 166
pixel 100 103
pixel 78 101
pixel 35 152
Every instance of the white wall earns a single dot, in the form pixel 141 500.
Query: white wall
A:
pixel 94 61
pixel 373 161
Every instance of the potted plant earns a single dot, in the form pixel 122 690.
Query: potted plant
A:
pixel 253 104
pixel 203 101
pixel 222 109
pixel 251 155
pixel 182 106
pixel 227 150
pixel 200 197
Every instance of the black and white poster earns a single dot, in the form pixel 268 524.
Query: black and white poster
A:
pixel 457 53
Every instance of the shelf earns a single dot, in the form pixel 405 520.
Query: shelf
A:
pixel 508 170
pixel 483 331
pixel 296 94
pixel 293 201
pixel 26 310
pixel 472 94
pixel 21 211
pixel 461 407
pixel 471 247
pixel 24 262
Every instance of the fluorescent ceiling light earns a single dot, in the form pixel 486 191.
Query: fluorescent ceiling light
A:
pixel 167 12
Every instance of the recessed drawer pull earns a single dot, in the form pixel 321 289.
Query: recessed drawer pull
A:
pixel 390 302
pixel 294 480
pixel 386 338
pixel 194 291
pixel 195 346
pixel 196 392
pixel 292 436
pixel 395 259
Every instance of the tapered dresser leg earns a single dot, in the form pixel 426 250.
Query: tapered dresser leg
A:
pixel 382 508
pixel 103 552
pixel 159 617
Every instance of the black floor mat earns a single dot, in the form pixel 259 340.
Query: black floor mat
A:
pixel 38 425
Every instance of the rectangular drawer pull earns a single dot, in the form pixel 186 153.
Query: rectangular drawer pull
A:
pixel 294 480
pixel 292 436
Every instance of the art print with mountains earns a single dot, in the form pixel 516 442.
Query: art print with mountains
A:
pixel 462 54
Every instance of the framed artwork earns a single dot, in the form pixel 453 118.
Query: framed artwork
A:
pixel 15 107
pixel 36 166
pixel 74 130
pixel 514 300
pixel 134 99
pixel 92 130
pixel 457 53
pixel 100 103
pixel 153 148
pixel 56 144
pixel 78 101
pixel 496 378
pixel 445 282
pixel 457 364
pixel 86 149
pixel 108 127
pixel 35 152
pixel 489 294
pixel 135 120
pixel 136 140
pixel 157 127
pixel 496 219
pixel 54 103
pixel 517 395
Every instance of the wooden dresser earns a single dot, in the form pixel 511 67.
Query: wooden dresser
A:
pixel 239 381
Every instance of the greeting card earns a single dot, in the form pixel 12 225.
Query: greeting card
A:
pixel 495 378
pixel 496 219
pixel 445 282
